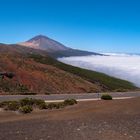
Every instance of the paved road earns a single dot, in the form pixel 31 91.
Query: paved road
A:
pixel 66 96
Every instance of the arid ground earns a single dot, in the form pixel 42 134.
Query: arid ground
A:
pixel 94 120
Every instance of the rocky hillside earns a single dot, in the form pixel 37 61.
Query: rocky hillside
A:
pixel 35 71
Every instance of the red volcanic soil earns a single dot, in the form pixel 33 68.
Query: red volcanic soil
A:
pixel 42 78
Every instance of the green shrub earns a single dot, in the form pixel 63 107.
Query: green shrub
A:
pixel 51 105
pixel 70 102
pixel 32 102
pixel 106 97
pixel 42 106
pixel 4 103
pixel 11 105
pixel 37 102
pixel 26 101
pixel 26 105
pixel 26 109
pixel 61 105
pixel 55 105
pixel 75 102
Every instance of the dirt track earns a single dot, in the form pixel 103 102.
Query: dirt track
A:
pixel 96 120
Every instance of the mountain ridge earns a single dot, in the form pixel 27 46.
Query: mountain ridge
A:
pixel 54 48
pixel 37 72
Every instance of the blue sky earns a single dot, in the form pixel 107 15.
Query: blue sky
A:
pixel 94 25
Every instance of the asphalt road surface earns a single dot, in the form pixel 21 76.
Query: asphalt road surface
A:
pixel 85 96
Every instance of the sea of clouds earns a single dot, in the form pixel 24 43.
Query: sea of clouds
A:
pixel 124 66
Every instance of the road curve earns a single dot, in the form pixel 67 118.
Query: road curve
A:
pixel 85 96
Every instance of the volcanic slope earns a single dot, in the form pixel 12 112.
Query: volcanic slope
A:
pixel 37 72
pixel 54 48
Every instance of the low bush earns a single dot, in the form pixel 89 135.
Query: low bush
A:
pixel 4 103
pixel 32 102
pixel 26 105
pixel 42 106
pixel 37 102
pixel 26 101
pixel 106 97
pixel 55 105
pixel 70 102
pixel 51 105
pixel 11 105
pixel 25 109
pixel 58 106
pixel 61 105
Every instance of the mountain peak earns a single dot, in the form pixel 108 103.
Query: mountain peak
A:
pixel 43 42
pixel 38 37
pixel 53 47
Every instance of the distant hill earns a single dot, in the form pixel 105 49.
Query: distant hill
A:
pixel 53 47
pixel 36 71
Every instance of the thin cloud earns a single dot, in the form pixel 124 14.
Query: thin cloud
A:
pixel 121 66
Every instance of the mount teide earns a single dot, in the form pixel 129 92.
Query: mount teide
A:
pixel 53 47
pixel 36 72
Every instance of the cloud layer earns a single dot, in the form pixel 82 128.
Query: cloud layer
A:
pixel 122 66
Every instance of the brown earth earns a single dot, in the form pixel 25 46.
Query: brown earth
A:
pixel 95 120
pixel 41 78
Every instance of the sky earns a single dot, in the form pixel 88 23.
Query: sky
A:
pixel 93 25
